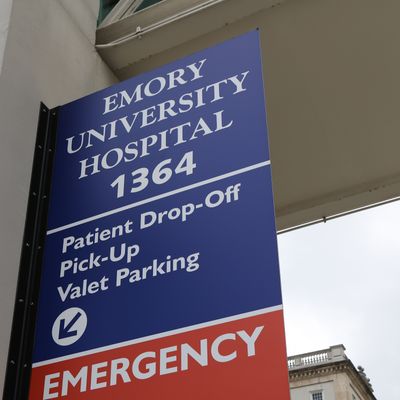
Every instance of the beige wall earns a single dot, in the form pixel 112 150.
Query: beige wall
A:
pixel 49 56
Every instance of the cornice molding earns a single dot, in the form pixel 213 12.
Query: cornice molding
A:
pixel 344 366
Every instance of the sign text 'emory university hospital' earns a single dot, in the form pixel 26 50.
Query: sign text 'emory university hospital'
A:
pixel 160 277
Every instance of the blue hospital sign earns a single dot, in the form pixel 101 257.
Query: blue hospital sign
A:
pixel 160 277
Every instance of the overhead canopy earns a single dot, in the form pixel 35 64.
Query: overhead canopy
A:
pixel 332 83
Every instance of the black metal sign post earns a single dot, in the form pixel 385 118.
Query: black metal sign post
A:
pixel 16 385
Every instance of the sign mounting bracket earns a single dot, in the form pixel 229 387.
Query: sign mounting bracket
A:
pixel 22 332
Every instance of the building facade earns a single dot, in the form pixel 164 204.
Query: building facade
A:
pixel 327 375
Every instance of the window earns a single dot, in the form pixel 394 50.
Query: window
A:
pixel 105 7
pixel 146 3
pixel 317 396
pixel 127 6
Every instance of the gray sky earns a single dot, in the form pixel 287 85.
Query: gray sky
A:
pixel 340 283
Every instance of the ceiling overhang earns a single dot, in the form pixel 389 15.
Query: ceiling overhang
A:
pixel 331 81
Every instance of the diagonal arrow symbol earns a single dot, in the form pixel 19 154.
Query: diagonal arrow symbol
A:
pixel 65 330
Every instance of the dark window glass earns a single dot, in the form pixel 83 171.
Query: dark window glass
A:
pixel 105 7
pixel 146 3
pixel 317 396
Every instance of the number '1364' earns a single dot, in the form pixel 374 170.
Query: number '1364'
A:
pixel 161 174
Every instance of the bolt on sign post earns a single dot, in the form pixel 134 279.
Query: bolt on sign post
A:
pixel 160 276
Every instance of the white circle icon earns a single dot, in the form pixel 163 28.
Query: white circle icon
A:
pixel 69 326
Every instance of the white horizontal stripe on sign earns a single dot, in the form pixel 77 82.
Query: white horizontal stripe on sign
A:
pixel 160 196
pixel 160 335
